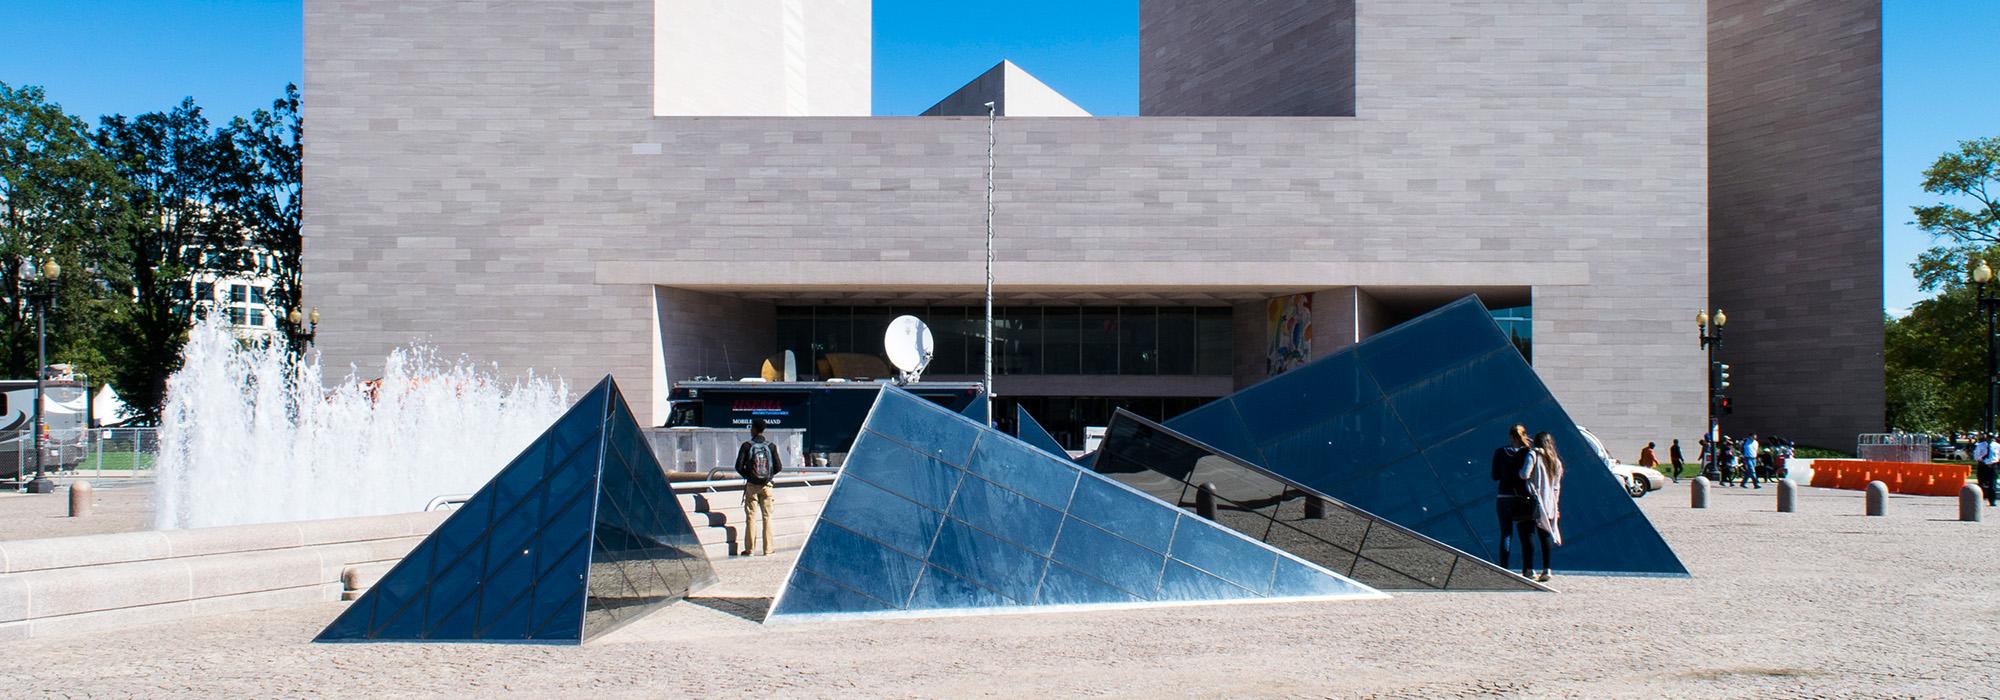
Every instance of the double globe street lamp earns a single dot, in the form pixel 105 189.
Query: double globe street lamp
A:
pixel 1710 328
pixel 1989 306
pixel 41 295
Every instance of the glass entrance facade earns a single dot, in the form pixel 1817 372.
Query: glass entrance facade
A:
pixel 1060 340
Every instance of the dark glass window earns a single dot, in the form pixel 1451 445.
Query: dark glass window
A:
pixel 1138 340
pixel 948 330
pixel 795 333
pixel 1060 340
pixel 832 330
pixel 1215 341
pixel 1177 340
pixel 1098 340
pixel 1022 337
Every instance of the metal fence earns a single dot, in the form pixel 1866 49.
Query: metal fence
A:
pixel 1894 447
pixel 100 453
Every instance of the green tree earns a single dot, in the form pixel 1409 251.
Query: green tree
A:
pixel 58 200
pixel 1934 358
pixel 264 191
pixel 175 220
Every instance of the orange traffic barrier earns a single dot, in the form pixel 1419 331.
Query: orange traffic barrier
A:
pixel 1901 477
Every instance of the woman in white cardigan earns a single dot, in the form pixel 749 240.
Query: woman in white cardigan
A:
pixel 1544 475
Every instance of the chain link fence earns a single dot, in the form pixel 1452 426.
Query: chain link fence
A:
pixel 100 453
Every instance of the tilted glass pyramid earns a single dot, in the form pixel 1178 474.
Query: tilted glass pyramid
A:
pixel 937 514
pixel 579 534
pixel 1032 432
pixel 1285 514
pixel 1404 424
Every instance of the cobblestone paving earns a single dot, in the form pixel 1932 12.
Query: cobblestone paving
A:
pixel 120 505
pixel 1823 603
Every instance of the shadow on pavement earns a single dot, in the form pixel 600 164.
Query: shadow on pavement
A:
pixel 752 609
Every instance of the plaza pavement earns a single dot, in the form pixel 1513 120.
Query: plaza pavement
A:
pixel 1819 603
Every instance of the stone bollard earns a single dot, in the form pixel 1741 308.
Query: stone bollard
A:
pixel 1698 493
pixel 1315 508
pixel 1878 498
pixel 1788 496
pixel 79 499
pixel 1204 500
pixel 1968 503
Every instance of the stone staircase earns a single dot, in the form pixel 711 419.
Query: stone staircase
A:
pixel 717 516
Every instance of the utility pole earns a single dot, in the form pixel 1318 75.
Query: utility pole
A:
pixel 991 114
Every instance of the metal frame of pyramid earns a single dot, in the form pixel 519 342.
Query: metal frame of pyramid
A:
pixel 937 514
pixel 1404 425
pixel 578 535
pixel 1277 511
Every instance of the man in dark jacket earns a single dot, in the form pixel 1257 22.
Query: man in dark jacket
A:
pixel 1674 454
pixel 757 462
pixel 1516 512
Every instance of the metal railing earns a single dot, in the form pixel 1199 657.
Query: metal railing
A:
pixel 100 453
pixel 1894 447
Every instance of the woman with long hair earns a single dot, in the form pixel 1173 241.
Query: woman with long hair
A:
pixel 1544 480
pixel 1511 465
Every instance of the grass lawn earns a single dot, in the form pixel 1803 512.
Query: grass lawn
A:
pixel 116 461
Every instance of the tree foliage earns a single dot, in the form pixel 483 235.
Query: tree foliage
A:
pixel 1934 358
pixel 133 210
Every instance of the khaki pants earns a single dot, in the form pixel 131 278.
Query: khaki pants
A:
pixel 756 498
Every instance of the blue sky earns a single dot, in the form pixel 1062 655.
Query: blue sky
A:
pixel 1941 76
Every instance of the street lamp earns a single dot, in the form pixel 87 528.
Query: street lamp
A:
pixel 991 113
pixel 41 295
pixel 302 334
pixel 1988 307
pixel 1710 329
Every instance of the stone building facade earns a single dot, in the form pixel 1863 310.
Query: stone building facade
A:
pixel 492 178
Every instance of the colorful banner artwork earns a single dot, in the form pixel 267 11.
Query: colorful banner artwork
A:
pixel 1290 320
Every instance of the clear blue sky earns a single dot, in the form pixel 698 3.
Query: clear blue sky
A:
pixel 1941 74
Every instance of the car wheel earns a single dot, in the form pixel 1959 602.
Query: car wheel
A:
pixel 1636 487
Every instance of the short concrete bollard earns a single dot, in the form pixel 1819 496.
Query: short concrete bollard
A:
pixel 1788 496
pixel 1878 498
pixel 79 499
pixel 1315 508
pixel 1968 503
pixel 1698 493
pixel 1204 500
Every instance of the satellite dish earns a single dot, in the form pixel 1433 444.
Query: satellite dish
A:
pixel 909 346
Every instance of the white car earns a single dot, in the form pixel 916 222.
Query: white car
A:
pixel 1636 480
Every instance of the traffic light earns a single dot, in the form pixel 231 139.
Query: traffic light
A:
pixel 1721 376
pixel 1722 405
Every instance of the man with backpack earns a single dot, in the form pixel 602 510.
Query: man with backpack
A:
pixel 757 462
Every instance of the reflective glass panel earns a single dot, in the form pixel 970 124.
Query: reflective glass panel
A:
pixel 1403 426
pixel 1290 516
pixel 523 560
pixel 1016 527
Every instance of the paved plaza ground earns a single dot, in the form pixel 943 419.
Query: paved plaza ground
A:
pixel 1821 603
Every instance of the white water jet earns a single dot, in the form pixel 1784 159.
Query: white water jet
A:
pixel 249 435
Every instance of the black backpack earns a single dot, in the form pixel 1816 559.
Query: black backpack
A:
pixel 760 461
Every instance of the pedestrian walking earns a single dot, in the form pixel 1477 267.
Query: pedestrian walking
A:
pixel 1511 465
pixel 757 462
pixel 1545 484
pixel 1750 463
pixel 1674 453
pixel 1986 456
pixel 1648 459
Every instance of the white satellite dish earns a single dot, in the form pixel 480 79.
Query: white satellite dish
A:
pixel 909 346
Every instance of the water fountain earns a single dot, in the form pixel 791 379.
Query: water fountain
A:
pixel 250 435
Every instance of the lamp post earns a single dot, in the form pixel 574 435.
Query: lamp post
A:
pixel 301 334
pixel 41 295
pixel 1710 330
pixel 1989 306
pixel 991 114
